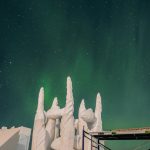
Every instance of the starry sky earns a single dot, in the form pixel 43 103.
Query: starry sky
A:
pixel 104 45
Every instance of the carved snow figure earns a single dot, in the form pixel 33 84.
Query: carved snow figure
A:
pixel 90 120
pixel 44 124
pixel 97 126
pixel 40 140
pixel 53 114
pixel 67 123
pixel 80 123
pixel 67 131
pixel 55 129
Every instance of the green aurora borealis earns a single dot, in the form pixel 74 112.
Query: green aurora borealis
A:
pixel 104 45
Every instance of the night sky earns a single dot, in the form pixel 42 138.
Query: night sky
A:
pixel 104 45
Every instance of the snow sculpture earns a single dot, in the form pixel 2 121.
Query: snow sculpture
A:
pixel 67 124
pixel 79 127
pixel 67 131
pixel 55 129
pixel 97 126
pixel 93 119
pixel 44 124
pixel 53 114
pixel 40 140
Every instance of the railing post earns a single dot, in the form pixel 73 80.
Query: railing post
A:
pixel 83 138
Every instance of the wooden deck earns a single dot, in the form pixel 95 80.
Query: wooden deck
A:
pixel 124 134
